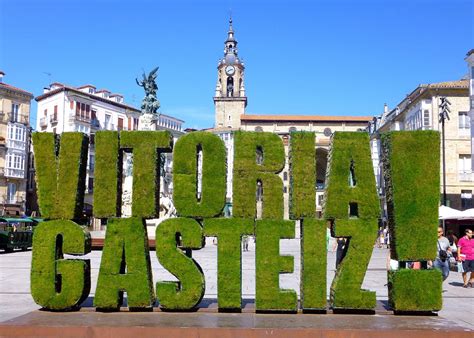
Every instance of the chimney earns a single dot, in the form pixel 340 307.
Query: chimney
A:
pixel 2 74
pixel 385 108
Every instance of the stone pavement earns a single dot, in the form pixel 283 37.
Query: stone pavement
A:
pixel 15 298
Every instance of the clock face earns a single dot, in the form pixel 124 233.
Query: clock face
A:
pixel 230 70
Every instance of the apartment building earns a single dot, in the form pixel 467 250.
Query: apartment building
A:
pixel 14 136
pixel 420 110
pixel 63 108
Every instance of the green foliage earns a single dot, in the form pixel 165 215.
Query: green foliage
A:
pixel 313 264
pixel 247 172
pixel 106 174
pixel 146 146
pixel 229 232
pixel 61 181
pixel 125 266
pixel 269 264
pixel 348 150
pixel 60 284
pixel 353 207
pixel 346 290
pixel 415 290
pixel 303 175
pixel 213 191
pixel 412 180
pixel 189 290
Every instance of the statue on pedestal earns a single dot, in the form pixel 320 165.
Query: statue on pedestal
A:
pixel 150 103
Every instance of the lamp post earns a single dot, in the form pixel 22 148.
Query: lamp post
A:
pixel 443 115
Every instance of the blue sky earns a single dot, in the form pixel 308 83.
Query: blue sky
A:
pixel 302 57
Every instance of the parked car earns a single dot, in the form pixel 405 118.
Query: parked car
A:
pixel 16 233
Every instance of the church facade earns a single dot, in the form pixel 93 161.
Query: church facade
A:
pixel 230 102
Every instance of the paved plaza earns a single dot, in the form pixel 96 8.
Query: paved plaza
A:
pixel 15 298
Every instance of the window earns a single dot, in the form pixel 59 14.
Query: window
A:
pixel 107 121
pixel 120 124
pixel 11 192
pixel 285 176
pixel 15 161
pixel 426 119
pixel 466 199
pixel 15 110
pixel 82 110
pixel 45 113
pixel 464 167
pixel 55 115
pixel 135 123
pixel 16 132
pixel 464 121
pixel 71 105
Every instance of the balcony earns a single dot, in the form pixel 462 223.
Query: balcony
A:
pixel 14 173
pixel 53 119
pixel 79 118
pixel 12 199
pixel 18 118
pixel 18 145
pixel 43 122
pixel 466 176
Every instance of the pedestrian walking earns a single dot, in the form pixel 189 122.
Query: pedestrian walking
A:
pixel 442 254
pixel 340 250
pixel 245 243
pixel 466 256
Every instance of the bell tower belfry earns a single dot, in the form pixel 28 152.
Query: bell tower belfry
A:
pixel 229 98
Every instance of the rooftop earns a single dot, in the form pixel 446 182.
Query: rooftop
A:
pixel 61 87
pixel 448 84
pixel 304 118
pixel 9 87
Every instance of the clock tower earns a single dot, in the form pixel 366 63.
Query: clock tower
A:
pixel 229 99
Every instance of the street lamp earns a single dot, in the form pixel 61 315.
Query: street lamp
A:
pixel 443 115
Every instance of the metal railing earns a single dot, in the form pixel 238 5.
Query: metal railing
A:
pixel 18 118
pixel 43 122
pixel 5 199
pixel 74 117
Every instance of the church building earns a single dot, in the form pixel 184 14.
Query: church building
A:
pixel 230 102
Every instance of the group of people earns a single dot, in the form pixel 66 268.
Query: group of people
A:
pixel 461 251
